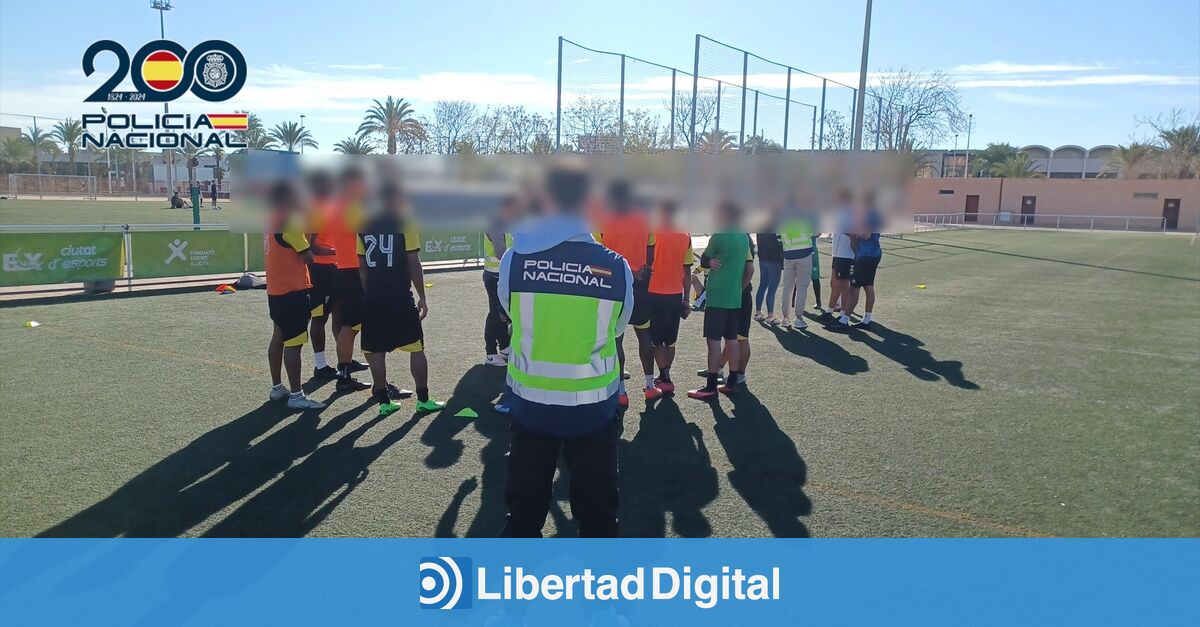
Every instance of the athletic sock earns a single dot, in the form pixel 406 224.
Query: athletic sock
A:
pixel 664 374
pixel 844 319
pixel 711 384
pixel 344 370
pixel 734 378
pixel 649 381
pixel 296 395
pixel 422 394
pixel 381 396
pixel 867 318
pixel 319 360
pixel 277 386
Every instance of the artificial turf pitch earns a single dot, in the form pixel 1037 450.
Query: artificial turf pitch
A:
pixel 1041 384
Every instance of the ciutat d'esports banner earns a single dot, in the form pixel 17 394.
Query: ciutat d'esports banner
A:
pixel 598 582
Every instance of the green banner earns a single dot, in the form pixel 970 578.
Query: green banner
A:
pixel 45 258
pixel 447 246
pixel 184 253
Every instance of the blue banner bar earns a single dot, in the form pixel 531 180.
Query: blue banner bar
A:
pixel 564 582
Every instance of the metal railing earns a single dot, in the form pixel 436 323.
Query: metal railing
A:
pixel 1046 221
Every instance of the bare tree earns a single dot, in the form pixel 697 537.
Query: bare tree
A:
pixel 452 122
pixel 593 123
pixel 836 132
pixel 706 113
pixel 912 109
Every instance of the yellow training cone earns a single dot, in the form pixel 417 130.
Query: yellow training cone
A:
pixel 920 286
pixel 32 324
pixel 429 285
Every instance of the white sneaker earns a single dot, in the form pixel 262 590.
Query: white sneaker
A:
pixel 505 352
pixel 800 324
pixel 304 402
pixel 279 394
pixel 496 360
pixel 785 324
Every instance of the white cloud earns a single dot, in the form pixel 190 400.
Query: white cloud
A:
pixel 1006 67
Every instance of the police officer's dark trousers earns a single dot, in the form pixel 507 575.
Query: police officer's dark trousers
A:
pixel 591 462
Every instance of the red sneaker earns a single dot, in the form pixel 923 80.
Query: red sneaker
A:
pixel 701 394
pixel 653 393
pixel 623 399
pixel 727 389
pixel 666 386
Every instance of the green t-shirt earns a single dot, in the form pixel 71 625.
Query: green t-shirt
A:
pixel 724 286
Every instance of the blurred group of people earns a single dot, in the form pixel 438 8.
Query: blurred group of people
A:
pixel 570 263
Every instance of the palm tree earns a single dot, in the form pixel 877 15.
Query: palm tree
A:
pixel 291 136
pixel 1182 146
pixel 16 152
pixel 714 142
pixel 1019 166
pixel 394 120
pixel 1129 162
pixel 191 156
pixel 41 142
pixel 68 133
pixel 356 145
pixel 255 135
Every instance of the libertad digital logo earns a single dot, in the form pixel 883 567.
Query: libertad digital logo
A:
pixel 163 71
pixel 445 583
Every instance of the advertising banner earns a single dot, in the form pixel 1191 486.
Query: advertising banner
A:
pixel 449 246
pixel 46 258
pixel 184 253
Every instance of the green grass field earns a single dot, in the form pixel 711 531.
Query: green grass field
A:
pixel 70 211
pixel 1042 384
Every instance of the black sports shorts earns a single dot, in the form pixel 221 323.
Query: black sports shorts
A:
pixel 291 313
pixel 862 273
pixel 665 313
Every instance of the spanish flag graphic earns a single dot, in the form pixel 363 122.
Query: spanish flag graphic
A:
pixel 162 70
pixel 229 121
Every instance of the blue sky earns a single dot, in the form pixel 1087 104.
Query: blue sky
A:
pixel 1049 72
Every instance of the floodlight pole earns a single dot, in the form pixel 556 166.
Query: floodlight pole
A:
pixel 695 92
pixel 162 6
pixel 558 109
pixel 967 167
pixel 787 107
pixel 860 98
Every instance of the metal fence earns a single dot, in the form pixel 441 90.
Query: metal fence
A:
pixel 1051 221
pixel 609 102
pixel 732 99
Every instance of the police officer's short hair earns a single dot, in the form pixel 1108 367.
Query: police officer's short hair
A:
pixel 567 186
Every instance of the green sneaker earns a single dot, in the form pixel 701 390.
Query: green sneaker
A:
pixel 429 405
pixel 387 409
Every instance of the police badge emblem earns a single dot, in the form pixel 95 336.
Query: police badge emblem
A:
pixel 216 72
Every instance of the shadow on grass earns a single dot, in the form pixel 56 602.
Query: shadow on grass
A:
pixel 768 470
pixel 214 471
pixel 666 469
pixel 477 389
pixel 909 352
pixel 818 349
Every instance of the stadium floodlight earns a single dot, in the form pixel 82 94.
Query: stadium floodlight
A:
pixel 162 6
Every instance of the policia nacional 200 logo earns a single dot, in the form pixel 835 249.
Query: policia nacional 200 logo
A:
pixel 163 71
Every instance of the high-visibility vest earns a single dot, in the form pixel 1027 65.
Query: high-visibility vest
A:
pixel 564 303
pixel 797 236
pixel 491 262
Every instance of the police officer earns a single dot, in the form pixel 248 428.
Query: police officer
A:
pixel 568 298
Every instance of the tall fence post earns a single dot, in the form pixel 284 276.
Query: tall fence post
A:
pixel 821 135
pixel 672 108
pixel 754 125
pixel 812 140
pixel 621 120
pixel 787 108
pixel 558 110
pixel 695 92
pixel 745 73
pixel 717 126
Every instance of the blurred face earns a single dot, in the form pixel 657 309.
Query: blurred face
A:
pixel 354 188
